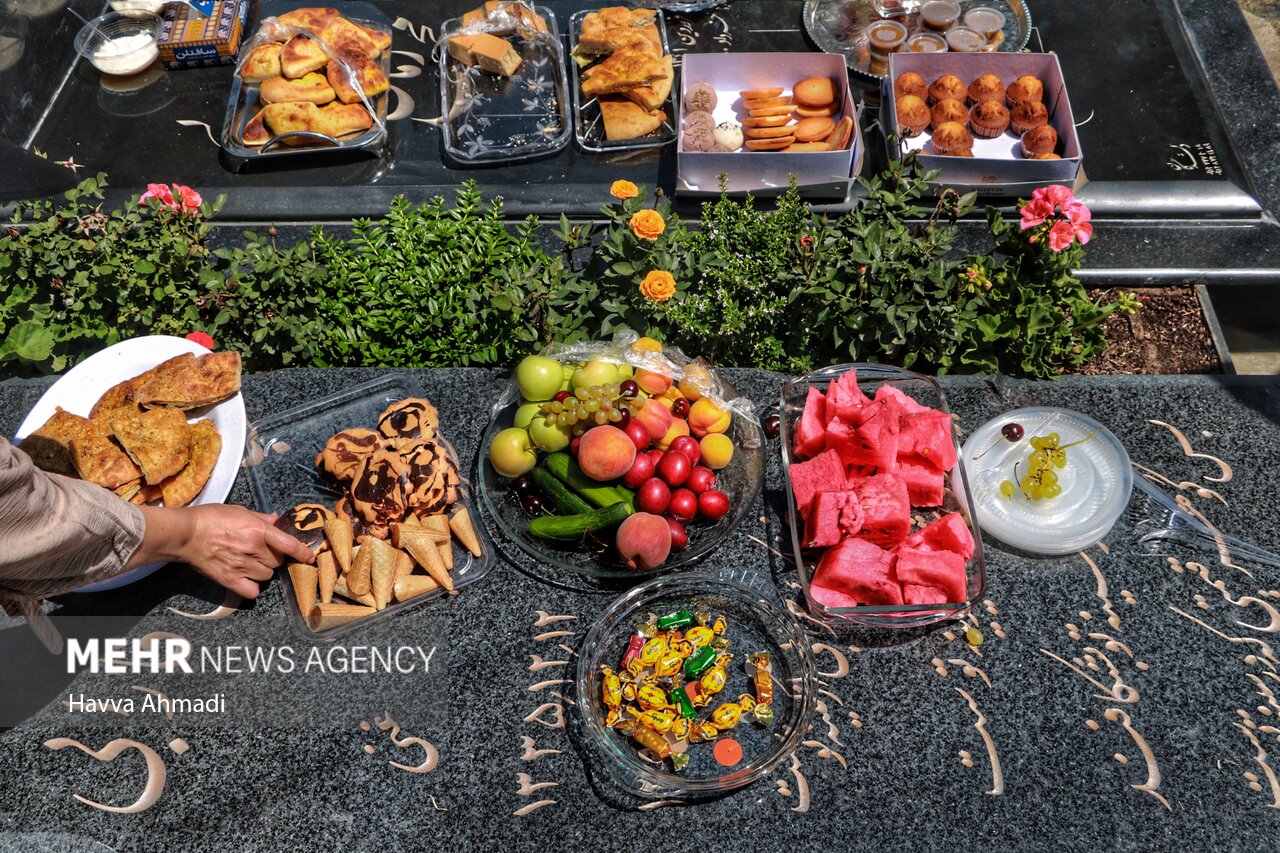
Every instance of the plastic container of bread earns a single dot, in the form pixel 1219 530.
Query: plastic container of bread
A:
pixel 280 454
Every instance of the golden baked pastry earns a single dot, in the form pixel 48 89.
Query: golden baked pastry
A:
pixel 119 399
pixel 800 147
pixel 334 120
pixel 185 486
pixel 654 95
pixel 987 87
pixel 766 121
pixel 50 446
pixel 262 63
pixel 343 453
pixel 755 94
pixel 195 382
pixel 814 129
pixel 817 112
pixel 783 110
pixel 301 55
pixel 910 83
pixel 841 135
pixel 158 442
pixel 769 132
pixel 255 131
pixel 495 55
pixel 612 28
pixel 412 417
pixel 340 34
pixel 100 460
pixel 947 86
pixel 310 18
pixel 313 88
pixel 1027 115
pixel 951 136
pixel 363 71
pixel 625 119
pixel 988 119
pixel 814 92
pixel 775 144
pixel 1041 139
pixel 626 68
pixel 913 115
pixel 948 109
pixel 1025 88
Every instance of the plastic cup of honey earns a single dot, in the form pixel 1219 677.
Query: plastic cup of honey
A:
pixel 940 14
pixel 985 20
pixel 965 40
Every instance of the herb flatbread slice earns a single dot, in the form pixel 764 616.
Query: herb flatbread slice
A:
pixel 99 459
pixel 158 441
pixel 206 444
pixel 50 446
pixel 192 384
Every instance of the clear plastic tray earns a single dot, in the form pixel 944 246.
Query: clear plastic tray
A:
pixel 1096 482
pixel 280 454
pixel 588 124
pixel 957 498
pixel 492 119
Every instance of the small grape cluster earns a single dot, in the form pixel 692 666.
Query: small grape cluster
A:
pixel 1041 480
pixel 596 405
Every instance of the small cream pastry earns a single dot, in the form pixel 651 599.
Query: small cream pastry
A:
pixel 728 136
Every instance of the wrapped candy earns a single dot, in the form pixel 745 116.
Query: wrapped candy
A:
pixel 712 681
pixel 702 732
pixel 652 741
pixel 762 676
pixel 668 665
pixel 680 762
pixel 699 636
pixel 611 688
pixel 683 704
pixel 634 645
pixel 651 697
pixel 701 660
pixel 726 716
pixel 676 619
pixel 653 650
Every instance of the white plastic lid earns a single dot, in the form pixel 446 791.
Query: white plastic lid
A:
pixel 1096 482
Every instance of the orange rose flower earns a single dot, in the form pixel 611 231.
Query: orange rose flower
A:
pixel 648 224
pixel 658 285
pixel 623 190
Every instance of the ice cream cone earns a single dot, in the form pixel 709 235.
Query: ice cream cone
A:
pixel 404 564
pixel 340 535
pixel 361 566
pixel 327 569
pixel 326 616
pixel 422 546
pixel 411 586
pixel 367 599
pixel 435 523
pixel 465 530
pixel 304 580
pixel 446 554
pixel 399 532
pixel 383 572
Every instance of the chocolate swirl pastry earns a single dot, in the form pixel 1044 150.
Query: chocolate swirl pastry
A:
pixel 377 493
pixel 344 452
pixel 431 480
pixel 410 418
pixel 305 522
pixel 346 511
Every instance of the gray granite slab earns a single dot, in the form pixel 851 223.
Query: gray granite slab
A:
pixel 890 769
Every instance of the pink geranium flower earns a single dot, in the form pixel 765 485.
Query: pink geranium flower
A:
pixel 1061 235
pixel 1035 212
pixel 202 339
pixel 190 198
pixel 160 192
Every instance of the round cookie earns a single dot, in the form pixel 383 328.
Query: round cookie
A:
pixel 814 92
pixel 770 144
pixel 766 121
pixel 430 479
pixel 344 452
pixel 699 118
pixel 772 111
pixel 700 96
pixel 410 418
pixel 699 138
pixel 753 94
pixel 769 132
pixel 801 147
pixel 757 103
pixel 377 492
pixel 813 129
pixel 817 112
pixel 729 136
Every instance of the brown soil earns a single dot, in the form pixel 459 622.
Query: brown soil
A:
pixel 1167 335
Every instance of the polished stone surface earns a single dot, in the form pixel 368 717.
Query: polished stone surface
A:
pixel 897 761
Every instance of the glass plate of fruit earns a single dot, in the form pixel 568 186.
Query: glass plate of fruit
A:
pixel 1047 480
pixel 878 498
pixel 619 459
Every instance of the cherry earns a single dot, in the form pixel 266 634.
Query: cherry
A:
pixel 772 423
pixel 629 388
pixel 1012 431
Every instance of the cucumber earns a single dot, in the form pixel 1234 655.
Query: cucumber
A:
pixel 572 528
pixel 595 492
pixel 564 500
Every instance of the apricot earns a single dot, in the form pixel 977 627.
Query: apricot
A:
pixel 695 382
pixel 651 382
pixel 643 540
pixel 655 417
pixel 606 453
pixel 717 450
pixel 646 345
pixel 678 428
pixel 706 417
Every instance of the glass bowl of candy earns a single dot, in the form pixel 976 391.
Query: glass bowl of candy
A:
pixel 879 504
pixel 619 459
pixel 694 685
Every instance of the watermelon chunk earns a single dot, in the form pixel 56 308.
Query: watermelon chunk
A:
pixel 926 485
pixel 810 430
pixel 906 403
pixel 937 577
pixel 833 516
pixel 855 572
pixel 886 509
pixel 846 401
pixel 874 443
pixel 949 533
pixel 928 434
pixel 822 473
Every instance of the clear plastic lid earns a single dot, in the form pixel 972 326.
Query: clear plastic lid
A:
pixel 1095 482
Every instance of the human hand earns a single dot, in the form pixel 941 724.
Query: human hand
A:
pixel 233 546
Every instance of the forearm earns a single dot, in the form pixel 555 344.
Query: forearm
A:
pixel 167 538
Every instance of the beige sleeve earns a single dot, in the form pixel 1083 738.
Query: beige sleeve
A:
pixel 58 533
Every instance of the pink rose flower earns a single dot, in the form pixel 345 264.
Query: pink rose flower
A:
pixel 190 198
pixel 1061 235
pixel 1035 212
pixel 160 192
pixel 202 339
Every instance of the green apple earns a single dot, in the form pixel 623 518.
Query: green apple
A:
pixel 568 370
pixel 511 452
pixel 595 373
pixel 526 413
pixel 549 437
pixel 538 377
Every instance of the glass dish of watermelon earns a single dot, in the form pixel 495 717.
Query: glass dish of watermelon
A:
pixel 753 622
pixel 879 503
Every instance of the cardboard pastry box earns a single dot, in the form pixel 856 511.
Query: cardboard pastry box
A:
pixel 821 174
pixel 997 166
pixel 189 41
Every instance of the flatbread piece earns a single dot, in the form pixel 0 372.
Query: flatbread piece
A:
pixel 158 442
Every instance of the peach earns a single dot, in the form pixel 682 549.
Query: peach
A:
pixel 646 345
pixel 644 540
pixel 717 450
pixel 655 417
pixel 651 382
pixel 678 428
pixel 696 380
pixel 706 417
pixel 606 453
